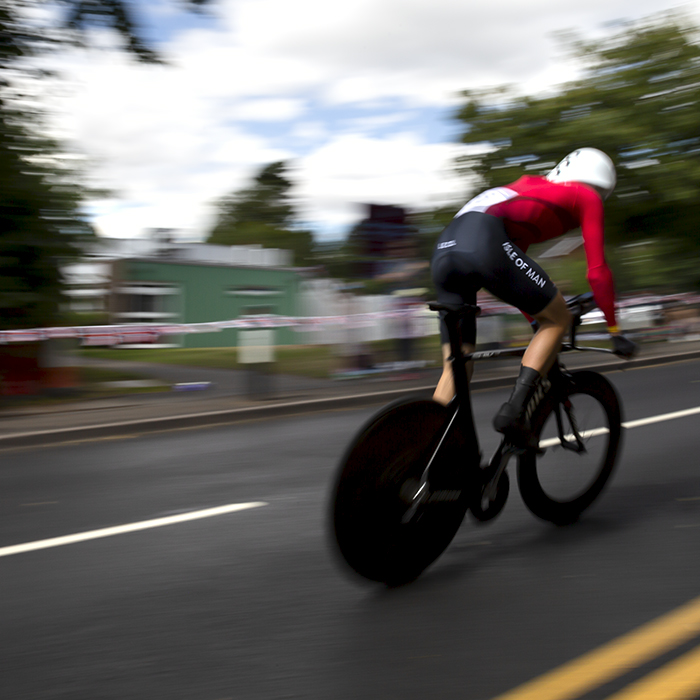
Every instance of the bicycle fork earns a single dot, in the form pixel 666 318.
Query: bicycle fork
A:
pixel 569 440
pixel 573 440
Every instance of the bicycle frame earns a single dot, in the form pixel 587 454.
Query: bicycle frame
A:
pixel 412 473
pixel 463 407
pixel 461 403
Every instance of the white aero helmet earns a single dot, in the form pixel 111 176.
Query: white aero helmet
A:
pixel 587 165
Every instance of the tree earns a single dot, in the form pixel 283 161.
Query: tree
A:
pixel 39 226
pixel 637 100
pixel 263 214
pixel 41 220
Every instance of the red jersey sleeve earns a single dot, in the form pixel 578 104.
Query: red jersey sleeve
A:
pixel 599 275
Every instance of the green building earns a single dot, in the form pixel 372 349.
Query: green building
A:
pixel 162 290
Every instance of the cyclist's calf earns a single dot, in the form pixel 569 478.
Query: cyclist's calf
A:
pixel 445 389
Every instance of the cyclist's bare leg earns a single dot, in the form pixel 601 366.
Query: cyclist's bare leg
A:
pixel 512 418
pixel 554 321
pixel 445 390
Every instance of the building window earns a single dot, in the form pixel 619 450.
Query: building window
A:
pixel 145 302
pixel 254 292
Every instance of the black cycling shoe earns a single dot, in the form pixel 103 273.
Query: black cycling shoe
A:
pixel 515 427
pixel 519 435
pixel 513 418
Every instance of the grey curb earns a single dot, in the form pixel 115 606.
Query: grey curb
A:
pixel 280 409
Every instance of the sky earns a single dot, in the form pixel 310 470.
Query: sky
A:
pixel 357 96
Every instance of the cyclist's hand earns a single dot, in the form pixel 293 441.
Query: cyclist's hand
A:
pixel 624 347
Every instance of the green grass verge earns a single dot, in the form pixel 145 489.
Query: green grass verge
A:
pixel 318 361
pixel 313 361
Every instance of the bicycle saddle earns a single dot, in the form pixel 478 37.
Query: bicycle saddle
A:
pixel 462 309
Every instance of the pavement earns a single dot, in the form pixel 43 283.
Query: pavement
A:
pixel 201 397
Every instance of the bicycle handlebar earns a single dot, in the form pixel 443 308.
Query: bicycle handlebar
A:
pixel 580 305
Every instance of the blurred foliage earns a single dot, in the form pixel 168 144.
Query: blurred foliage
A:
pixel 660 264
pixel 657 265
pixel 41 219
pixel 78 17
pixel 263 214
pixel 334 259
pixel 40 224
pixel 638 101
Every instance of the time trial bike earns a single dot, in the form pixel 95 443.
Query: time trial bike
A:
pixel 412 472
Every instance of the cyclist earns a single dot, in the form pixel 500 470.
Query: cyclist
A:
pixel 485 247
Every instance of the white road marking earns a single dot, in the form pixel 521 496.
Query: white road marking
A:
pixel 629 424
pixel 129 527
pixel 234 507
pixel 549 442
pixel 659 419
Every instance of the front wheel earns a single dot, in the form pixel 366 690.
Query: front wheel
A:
pixel 372 525
pixel 579 437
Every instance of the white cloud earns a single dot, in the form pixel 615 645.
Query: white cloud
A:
pixel 309 132
pixel 417 50
pixel 254 89
pixel 353 170
pixel 269 110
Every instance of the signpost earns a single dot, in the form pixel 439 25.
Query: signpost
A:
pixel 256 349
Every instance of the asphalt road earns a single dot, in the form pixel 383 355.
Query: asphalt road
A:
pixel 249 604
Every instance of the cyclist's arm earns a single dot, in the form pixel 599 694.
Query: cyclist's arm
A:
pixel 599 275
pixel 601 280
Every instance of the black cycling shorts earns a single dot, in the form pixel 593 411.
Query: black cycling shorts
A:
pixel 473 253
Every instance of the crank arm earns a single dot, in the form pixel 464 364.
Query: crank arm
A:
pixel 501 458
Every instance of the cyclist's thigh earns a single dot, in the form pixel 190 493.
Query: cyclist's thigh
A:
pixel 555 312
pixel 510 274
pixel 455 273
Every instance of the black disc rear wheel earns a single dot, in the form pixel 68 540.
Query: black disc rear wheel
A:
pixel 372 527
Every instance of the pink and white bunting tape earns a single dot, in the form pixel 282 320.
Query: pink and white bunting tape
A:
pixel 151 332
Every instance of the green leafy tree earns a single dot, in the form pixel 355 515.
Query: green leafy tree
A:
pixel 41 219
pixel 637 100
pixel 40 225
pixel 263 214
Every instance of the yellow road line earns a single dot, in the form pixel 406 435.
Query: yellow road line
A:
pixel 614 659
pixel 678 680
